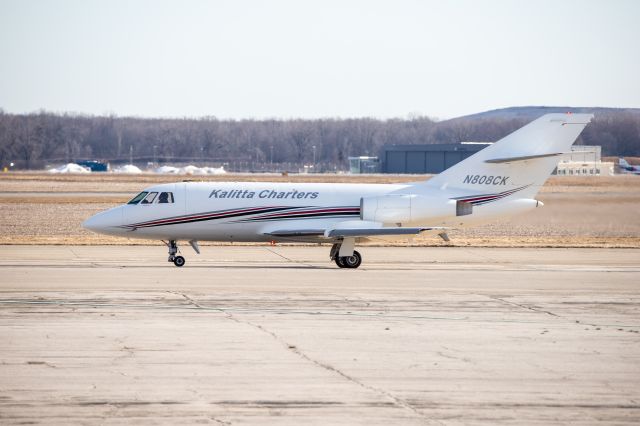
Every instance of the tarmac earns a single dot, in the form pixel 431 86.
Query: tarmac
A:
pixel 279 335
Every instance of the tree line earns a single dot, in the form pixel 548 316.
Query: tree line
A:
pixel 32 141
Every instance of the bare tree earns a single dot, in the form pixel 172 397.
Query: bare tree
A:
pixel 33 139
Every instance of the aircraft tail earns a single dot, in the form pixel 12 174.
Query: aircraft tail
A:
pixel 520 162
pixel 623 163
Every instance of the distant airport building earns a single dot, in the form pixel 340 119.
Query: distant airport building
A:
pixel 94 166
pixel 583 153
pixel 435 158
pixel 583 160
pixel 358 165
pixel 427 159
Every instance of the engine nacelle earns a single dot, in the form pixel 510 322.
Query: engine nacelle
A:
pixel 406 209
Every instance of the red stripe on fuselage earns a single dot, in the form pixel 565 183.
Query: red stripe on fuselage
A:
pixel 179 219
pixel 305 212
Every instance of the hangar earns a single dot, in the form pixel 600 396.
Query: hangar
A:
pixel 433 158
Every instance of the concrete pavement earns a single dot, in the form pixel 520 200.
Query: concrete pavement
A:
pixel 278 335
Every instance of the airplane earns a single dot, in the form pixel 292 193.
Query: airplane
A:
pixel 628 168
pixel 500 180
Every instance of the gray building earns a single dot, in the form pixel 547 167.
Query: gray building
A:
pixel 358 165
pixel 420 159
pixel 583 153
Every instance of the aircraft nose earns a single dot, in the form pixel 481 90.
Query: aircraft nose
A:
pixel 104 222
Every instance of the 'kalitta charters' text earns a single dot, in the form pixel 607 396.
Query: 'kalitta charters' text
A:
pixel 266 193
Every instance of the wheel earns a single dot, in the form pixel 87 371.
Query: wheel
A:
pixel 352 261
pixel 179 261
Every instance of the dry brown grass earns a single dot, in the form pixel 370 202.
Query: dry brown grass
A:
pixel 70 199
pixel 131 184
pixel 150 178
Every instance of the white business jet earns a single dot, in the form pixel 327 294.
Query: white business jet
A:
pixel 502 179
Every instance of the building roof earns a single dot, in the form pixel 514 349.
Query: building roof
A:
pixel 470 147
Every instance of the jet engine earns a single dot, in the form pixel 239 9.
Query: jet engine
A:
pixel 406 209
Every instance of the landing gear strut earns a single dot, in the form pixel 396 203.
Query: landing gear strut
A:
pixel 173 249
pixel 350 262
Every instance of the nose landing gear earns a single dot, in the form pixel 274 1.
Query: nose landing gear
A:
pixel 173 249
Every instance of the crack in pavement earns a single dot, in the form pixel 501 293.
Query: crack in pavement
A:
pixel 187 298
pixel 542 311
pixel 201 397
pixel 219 421
pixel 530 308
pixel 45 363
pixel 457 358
pixel 399 402
pixel 113 412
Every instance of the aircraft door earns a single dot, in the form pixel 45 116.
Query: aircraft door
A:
pixel 180 193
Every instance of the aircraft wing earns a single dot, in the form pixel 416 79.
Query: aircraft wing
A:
pixel 296 233
pixel 373 232
pixel 351 232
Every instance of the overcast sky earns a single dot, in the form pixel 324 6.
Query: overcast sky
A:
pixel 309 59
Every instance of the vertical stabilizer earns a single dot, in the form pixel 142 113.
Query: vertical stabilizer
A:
pixel 522 159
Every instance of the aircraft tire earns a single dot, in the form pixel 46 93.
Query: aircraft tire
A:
pixel 340 262
pixel 352 262
pixel 179 261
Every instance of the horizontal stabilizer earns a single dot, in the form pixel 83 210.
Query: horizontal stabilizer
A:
pixel 522 158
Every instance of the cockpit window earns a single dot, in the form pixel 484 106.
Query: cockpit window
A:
pixel 149 198
pixel 138 197
pixel 165 197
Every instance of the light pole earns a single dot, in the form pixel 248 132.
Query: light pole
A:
pixel 271 157
pixel 314 158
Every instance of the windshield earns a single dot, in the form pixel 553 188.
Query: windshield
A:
pixel 149 198
pixel 138 197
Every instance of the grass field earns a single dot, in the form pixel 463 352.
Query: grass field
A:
pixel 40 208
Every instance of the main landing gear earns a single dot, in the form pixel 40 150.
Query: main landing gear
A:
pixel 351 262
